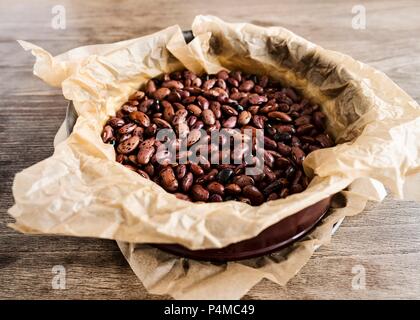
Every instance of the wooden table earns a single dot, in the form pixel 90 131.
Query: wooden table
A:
pixel 384 239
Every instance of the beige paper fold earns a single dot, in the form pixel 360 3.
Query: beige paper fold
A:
pixel 82 191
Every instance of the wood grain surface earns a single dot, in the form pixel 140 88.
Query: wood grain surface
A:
pixel 384 239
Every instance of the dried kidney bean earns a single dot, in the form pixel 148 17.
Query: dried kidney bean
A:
pixel 186 102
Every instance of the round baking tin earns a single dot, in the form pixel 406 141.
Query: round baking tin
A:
pixel 274 238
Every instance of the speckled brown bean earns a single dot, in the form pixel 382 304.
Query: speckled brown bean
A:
pixel 253 194
pixel 161 93
pixel 191 120
pixel 216 107
pixel 120 158
pixel 244 118
pixel 208 117
pixel 169 181
pixel 143 174
pixel 180 171
pixel 254 109
pixel 233 188
pixel 145 105
pixel 107 133
pixel 182 196
pixel 146 151
pixel 129 107
pixel 298 155
pixel 141 118
pixel 243 180
pixel 132 168
pixel 207 85
pixel 215 198
pixel 229 122
pixel 283 149
pixel 197 125
pixel 324 140
pixel 258 121
pixel 168 111
pixel 199 193
pixel 187 182
pixel 223 74
pixel 149 169
pixel 128 145
pixel 196 169
pixel 216 187
pixel 305 129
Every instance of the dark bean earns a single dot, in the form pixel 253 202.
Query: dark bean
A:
pixel 306 119
pixel 282 163
pixel 304 129
pixel 215 198
pixel 127 128
pixel 269 143
pixel 172 84
pixel 258 121
pixel 224 175
pixel 253 194
pixel 244 118
pixel 257 99
pixel 282 136
pixel 230 111
pixel 223 74
pixel 246 86
pixel 143 174
pixel 243 180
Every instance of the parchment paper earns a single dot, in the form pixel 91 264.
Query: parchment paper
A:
pixel 82 191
